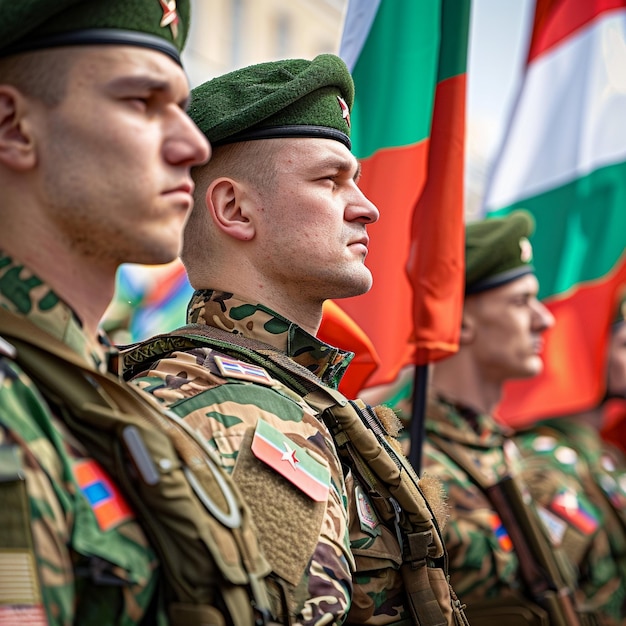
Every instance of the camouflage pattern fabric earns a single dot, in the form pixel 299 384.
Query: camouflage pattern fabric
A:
pixel 581 483
pixel 230 405
pixel 93 562
pixel 482 561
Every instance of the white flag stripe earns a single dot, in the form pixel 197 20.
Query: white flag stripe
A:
pixel 580 85
pixel 359 19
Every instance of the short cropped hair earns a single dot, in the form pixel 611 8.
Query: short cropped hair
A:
pixel 251 161
pixel 42 75
pixel 254 162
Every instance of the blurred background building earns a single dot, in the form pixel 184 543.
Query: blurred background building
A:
pixel 228 34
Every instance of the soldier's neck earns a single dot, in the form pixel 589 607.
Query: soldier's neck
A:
pixel 460 384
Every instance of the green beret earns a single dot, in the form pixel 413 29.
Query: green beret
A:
pixel 290 98
pixel 497 251
pixel 28 25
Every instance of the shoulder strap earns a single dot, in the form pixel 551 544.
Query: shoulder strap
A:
pixel 190 509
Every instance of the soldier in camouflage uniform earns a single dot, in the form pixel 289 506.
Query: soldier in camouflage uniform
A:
pixel 95 154
pixel 580 480
pixel 465 447
pixel 279 226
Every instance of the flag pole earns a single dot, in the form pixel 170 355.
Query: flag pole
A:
pixel 418 418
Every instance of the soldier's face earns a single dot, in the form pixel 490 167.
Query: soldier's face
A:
pixel 312 222
pixel 616 367
pixel 507 325
pixel 115 156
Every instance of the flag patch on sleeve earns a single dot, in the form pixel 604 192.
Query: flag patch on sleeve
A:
pixel 569 508
pixel 291 461
pixel 504 541
pixel 107 503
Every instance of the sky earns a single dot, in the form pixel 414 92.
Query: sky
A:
pixel 498 32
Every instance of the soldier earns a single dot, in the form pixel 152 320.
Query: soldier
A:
pixel 501 561
pixel 580 481
pixel 95 156
pixel 279 226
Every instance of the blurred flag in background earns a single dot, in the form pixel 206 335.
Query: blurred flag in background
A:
pixel 563 159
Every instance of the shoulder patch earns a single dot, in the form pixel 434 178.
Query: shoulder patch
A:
pixel 232 368
pixel 367 515
pixel 291 461
pixel 500 533
pixel 570 508
pixel 105 500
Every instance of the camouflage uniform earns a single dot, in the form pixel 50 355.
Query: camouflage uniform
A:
pixel 308 543
pixel 93 561
pixel 482 561
pixel 581 482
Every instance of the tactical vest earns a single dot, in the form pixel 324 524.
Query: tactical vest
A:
pixel 193 514
pixel 364 445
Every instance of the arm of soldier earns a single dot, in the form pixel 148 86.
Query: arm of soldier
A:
pixel 328 583
pixel 35 532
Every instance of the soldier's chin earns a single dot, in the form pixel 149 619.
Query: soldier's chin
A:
pixel 361 291
pixel 358 282
pixel 366 282
pixel 534 367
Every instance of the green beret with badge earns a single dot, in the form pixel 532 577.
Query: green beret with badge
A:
pixel 279 99
pixel 498 251
pixel 29 25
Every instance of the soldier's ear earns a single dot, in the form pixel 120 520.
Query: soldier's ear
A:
pixel 16 140
pixel 230 207
pixel 468 328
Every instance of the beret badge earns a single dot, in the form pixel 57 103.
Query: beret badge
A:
pixel 345 110
pixel 170 16
pixel 526 250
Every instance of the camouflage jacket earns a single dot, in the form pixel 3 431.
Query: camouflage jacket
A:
pixel 581 483
pixel 92 563
pixel 482 561
pixel 261 430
